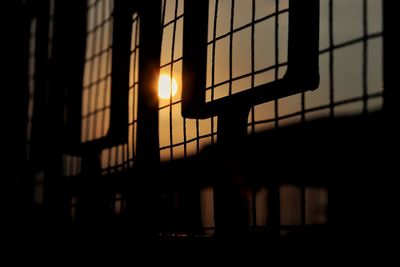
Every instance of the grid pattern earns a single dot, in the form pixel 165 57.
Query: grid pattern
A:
pixel 247 47
pixel 240 54
pixel 247 50
pixel 121 157
pixel 351 69
pixel 179 137
pixel 31 85
pixel 97 77
pixel 96 96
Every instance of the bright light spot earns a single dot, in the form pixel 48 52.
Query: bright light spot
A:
pixel 164 87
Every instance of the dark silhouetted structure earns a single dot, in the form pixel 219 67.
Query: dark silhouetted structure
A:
pixel 95 147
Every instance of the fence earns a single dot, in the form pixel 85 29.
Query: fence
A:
pixel 126 149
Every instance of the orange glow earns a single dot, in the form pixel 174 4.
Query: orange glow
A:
pixel 164 87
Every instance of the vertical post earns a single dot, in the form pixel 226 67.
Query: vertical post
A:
pixel 90 209
pixel 140 207
pixel 391 111
pixel 149 68
pixel 66 73
pixel 17 203
pixel 274 209
pixel 121 56
pixel 390 93
pixel 38 134
pixel 41 78
pixel 231 211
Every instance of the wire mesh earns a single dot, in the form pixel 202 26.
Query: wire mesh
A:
pixel 96 95
pixel 247 46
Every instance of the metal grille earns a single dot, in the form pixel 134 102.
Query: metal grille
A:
pixel 350 68
pixel 96 96
pixel 121 157
pixel 241 54
pixel 133 87
pixel 179 137
pixel 351 84
pixel 246 47
pixel 231 27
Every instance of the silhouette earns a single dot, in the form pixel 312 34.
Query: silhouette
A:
pixel 322 179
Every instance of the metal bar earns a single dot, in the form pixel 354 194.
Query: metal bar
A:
pixel 149 66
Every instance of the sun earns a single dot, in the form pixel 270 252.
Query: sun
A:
pixel 164 87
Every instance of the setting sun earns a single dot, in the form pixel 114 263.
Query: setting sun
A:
pixel 164 87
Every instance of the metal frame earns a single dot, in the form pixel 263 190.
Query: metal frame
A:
pixel 302 68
